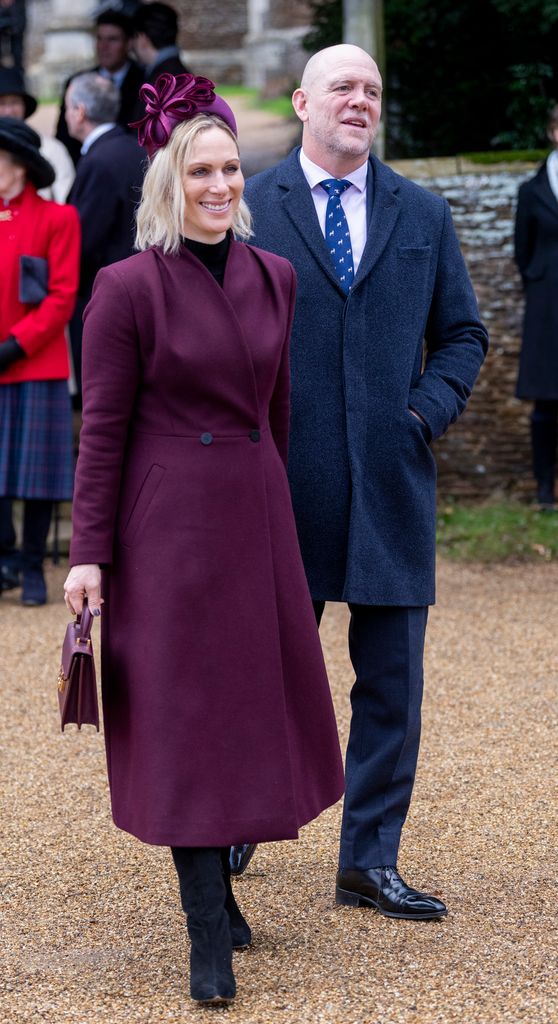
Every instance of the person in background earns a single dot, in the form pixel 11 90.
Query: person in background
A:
pixel 155 45
pixel 113 33
pixel 39 255
pixel 209 642
pixel 15 101
pixel 536 255
pixel 386 346
pixel 13 21
pixel 106 190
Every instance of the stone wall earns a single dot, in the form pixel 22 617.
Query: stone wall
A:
pixel 487 452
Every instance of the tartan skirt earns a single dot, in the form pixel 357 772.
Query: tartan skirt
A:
pixel 36 445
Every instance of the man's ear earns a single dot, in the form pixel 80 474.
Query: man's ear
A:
pixel 299 103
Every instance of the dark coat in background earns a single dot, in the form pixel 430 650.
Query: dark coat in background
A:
pixel 218 719
pixel 129 91
pixel 106 191
pixel 170 65
pixel 362 475
pixel 536 255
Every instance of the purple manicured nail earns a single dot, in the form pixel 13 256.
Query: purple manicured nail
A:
pixel 96 611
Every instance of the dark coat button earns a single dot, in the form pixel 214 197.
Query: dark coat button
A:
pixel 255 435
pixel 206 438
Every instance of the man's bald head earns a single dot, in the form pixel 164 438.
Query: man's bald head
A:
pixel 339 103
pixel 324 61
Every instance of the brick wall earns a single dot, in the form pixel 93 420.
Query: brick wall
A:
pixel 205 27
pixel 487 452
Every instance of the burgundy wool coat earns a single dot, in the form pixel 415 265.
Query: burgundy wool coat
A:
pixel 218 718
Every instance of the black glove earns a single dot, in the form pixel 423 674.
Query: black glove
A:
pixel 10 350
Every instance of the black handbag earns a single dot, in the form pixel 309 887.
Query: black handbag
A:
pixel 33 279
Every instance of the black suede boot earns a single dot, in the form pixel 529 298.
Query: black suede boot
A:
pixel 203 893
pixel 241 934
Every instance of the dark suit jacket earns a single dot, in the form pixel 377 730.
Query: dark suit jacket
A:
pixel 129 95
pixel 105 193
pixel 362 474
pixel 171 66
pixel 536 254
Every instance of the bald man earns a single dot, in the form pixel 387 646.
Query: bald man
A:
pixel 386 346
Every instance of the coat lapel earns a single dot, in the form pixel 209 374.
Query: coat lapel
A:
pixel 542 187
pixel 383 208
pixel 299 206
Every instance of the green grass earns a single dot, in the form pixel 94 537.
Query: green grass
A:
pixel 503 532
pixel 496 156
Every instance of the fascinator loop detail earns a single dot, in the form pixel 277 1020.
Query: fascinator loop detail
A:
pixel 173 99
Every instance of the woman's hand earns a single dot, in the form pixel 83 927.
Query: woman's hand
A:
pixel 83 581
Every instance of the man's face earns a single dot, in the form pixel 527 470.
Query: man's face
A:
pixel 12 106
pixel 112 47
pixel 73 115
pixel 341 107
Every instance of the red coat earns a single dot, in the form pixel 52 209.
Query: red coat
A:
pixel 218 719
pixel 32 226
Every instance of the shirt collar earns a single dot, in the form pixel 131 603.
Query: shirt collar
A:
pixel 101 129
pixel 116 76
pixel 315 174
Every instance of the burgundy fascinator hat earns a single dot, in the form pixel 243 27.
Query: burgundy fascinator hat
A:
pixel 173 99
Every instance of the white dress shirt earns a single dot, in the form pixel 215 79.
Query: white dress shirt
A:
pixel 353 201
pixel 101 129
pixel 552 172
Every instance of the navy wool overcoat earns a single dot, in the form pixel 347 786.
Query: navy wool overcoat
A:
pixel 536 254
pixel 218 717
pixel 363 477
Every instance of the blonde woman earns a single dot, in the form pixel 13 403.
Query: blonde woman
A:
pixel 182 518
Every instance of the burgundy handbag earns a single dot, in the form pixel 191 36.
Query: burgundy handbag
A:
pixel 77 684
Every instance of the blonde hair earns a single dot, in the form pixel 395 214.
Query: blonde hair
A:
pixel 160 214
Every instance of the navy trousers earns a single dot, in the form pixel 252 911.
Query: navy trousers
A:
pixel 386 646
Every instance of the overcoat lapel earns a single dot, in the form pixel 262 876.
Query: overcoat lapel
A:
pixel 542 187
pixel 237 271
pixel 225 324
pixel 383 208
pixel 299 207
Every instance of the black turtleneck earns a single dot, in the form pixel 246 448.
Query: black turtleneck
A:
pixel 213 256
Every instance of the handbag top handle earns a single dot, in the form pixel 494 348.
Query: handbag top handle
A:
pixel 85 621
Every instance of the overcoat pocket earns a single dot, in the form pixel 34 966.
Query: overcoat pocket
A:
pixel 414 252
pixel 141 505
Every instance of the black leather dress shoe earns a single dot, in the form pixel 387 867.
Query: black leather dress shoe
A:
pixel 385 891
pixel 240 857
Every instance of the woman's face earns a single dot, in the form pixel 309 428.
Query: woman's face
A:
pixel 213 185
pixel 12 176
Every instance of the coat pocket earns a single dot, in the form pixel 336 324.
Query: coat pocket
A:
pixel 146 494
pixel 414 252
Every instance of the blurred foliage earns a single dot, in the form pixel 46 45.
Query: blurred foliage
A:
pixel 327 24
pixel 461 74
pixel 503 532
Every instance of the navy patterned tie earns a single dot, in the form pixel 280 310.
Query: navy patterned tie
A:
pixel 337 233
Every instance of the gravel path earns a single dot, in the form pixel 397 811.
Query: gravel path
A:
pixel 92 932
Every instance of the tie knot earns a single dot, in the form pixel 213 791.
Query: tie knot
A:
pixel 335 186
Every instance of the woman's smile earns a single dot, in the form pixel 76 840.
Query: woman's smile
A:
pixel 213 185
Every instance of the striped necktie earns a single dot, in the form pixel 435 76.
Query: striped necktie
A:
pixel 337 233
